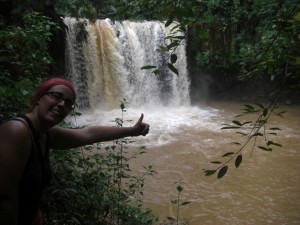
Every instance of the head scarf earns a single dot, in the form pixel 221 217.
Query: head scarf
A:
pixel 45 86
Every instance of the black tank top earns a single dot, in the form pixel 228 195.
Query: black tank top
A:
pixel 36 177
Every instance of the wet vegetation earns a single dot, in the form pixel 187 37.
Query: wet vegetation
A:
pixel 237 43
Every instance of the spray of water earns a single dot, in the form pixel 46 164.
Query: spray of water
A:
pixel 106 68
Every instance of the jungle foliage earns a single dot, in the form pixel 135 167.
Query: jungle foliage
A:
pixel 95 185
pixel 236 39
pixel 239 40
pixel 24 60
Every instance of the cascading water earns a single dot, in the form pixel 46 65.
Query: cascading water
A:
pixel 183 139
pixel 106 68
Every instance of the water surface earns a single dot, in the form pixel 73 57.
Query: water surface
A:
pixel 265 189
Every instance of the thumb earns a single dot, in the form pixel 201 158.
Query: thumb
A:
pixel 141 119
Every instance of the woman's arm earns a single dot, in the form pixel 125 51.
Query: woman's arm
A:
pixel 65 138
pixel 14 151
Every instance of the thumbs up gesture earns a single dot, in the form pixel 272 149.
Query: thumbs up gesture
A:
pixel 140 128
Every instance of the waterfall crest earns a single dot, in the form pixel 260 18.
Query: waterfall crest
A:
pixel 106 68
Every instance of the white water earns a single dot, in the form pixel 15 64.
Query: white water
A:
pixel 106 68
pixel 183 139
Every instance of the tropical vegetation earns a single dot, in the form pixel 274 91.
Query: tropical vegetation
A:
pixel 236 41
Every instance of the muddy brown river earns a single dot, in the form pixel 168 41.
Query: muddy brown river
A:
pixel 265 189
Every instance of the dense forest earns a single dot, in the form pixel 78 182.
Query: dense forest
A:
pixel 239 43
pixel 235 42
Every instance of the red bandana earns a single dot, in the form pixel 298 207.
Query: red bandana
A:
pixel 48 84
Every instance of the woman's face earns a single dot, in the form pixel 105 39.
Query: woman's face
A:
pixel 56 104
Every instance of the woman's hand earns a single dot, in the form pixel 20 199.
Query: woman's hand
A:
pixel 140 128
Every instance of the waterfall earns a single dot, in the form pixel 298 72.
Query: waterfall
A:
pixel 106 67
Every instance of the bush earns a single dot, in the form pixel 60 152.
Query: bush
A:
pixel 24 60
pixel 94 185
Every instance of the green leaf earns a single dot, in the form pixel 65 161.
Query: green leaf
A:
pixel 250 111
pixel 222 171
pixel 179 188
pixel 229 127
pixel 257 134
pixel 169 22
pixel 185 203
pixel 174 37
pixel 216 162
pixel 156 72
pixel 163 48
pixel 275 128
pixel 241 133
pixel 171 67
pixel 176 27
pixel 173 58
pixel 236 143
pixel 148 67
pixel 180 37
pixel 209 172
pixel 265 112
pixel 264 148
pixel 171 218
pixel 169 37
pixel 273 143
pixel 249 106
pixel 260 105
pixel 248 122
pixel 280 114
pixel 228 154
pixel 173 44
pixel 237 122
pixel 238 161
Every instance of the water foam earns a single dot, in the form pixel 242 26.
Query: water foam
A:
pixel 107 66
pixel 165 123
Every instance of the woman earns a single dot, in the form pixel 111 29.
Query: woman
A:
pixel 24 149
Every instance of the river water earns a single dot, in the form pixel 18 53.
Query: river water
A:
pixel 184 139
pixel 265 189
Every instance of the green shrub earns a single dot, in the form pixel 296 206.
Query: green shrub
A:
pixel 94 185
pixel 24 60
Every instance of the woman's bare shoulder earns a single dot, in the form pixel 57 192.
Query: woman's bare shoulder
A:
pixel 14 130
